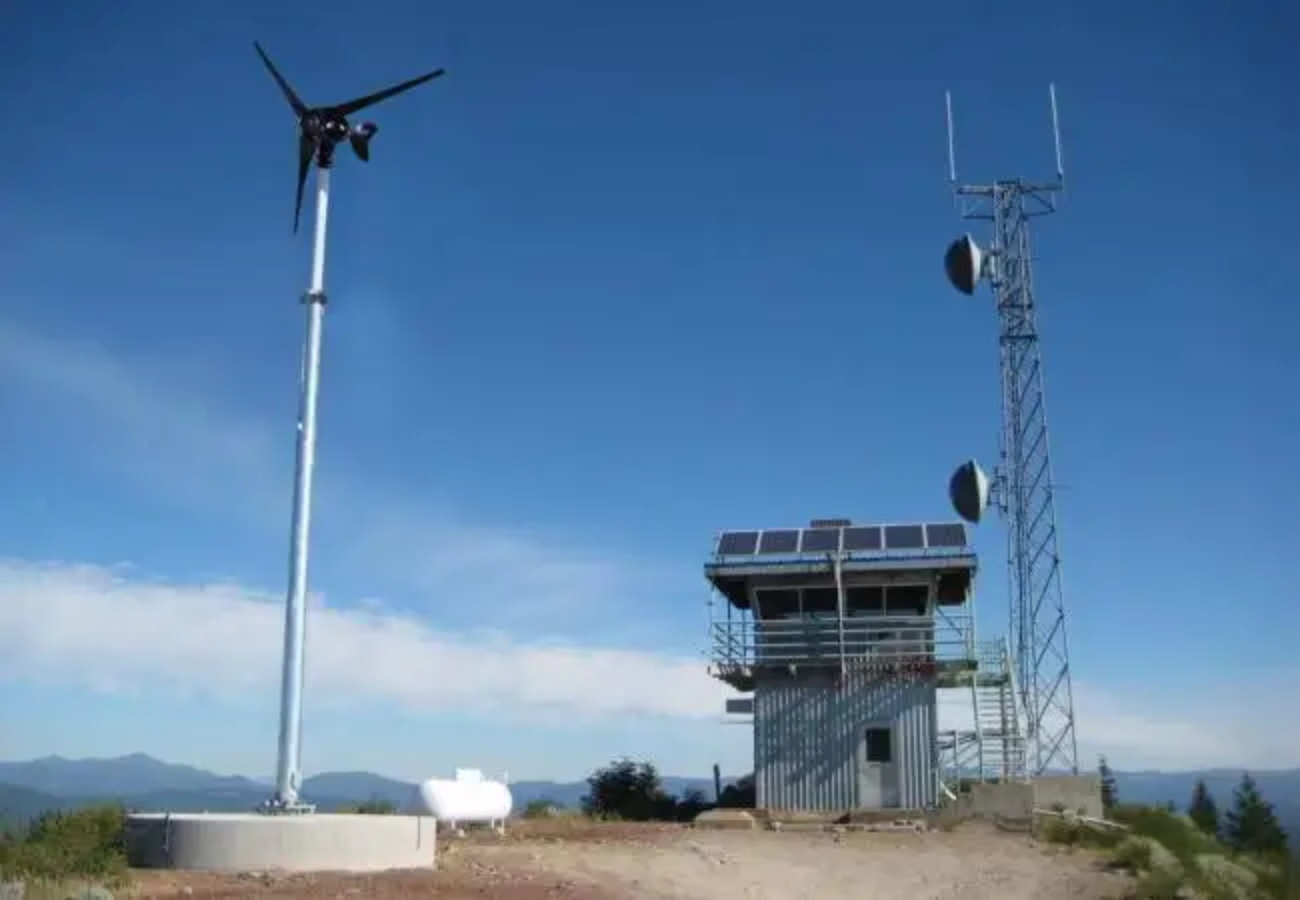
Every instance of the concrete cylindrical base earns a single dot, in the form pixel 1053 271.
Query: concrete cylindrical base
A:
pixel 300 843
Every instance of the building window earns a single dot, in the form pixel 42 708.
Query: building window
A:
pixel 907 600
pixel 821 600
pixel 880 747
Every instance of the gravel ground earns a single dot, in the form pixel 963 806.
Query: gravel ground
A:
pixel 656 863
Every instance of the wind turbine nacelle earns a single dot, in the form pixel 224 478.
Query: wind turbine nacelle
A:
pixel 964 263
pixel 359 137
pixel 968 490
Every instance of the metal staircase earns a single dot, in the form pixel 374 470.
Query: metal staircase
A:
pixel 995 749
pixel 998 731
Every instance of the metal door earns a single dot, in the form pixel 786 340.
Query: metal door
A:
pixel 875 765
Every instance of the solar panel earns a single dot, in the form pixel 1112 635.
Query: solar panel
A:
pixel 905 537
pixel 785 540
pixel 862 537
pixel 951 534
pixel 853 538
pixel 820 540
pixel 739 543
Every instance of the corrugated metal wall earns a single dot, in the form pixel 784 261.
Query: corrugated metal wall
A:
pixel 807 732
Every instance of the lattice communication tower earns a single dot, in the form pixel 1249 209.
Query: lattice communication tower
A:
pixel 1022 484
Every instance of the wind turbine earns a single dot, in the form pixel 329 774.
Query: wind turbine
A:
pixel 320 130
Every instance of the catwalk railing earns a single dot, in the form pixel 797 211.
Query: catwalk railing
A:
pixel 748 643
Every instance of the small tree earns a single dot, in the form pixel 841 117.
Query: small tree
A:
pixel 375 806
pixel 690 805
pixel 740 795
pixel 1203 810
pixel 627 790
pixel 1109 791
pixel 1251 826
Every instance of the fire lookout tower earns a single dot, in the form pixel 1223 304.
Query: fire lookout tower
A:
pixel 844 634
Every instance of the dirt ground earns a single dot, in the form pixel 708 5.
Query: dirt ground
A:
pixel 627 862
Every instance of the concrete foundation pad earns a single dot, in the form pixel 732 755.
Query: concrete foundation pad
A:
pixel 1015 801
pixel 244 842
pixel 737 819
pixel 1012 800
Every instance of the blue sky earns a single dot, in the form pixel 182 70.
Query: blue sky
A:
pixel 621 279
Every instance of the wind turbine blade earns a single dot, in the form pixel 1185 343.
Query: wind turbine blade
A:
pixel 306 150
pixel 298 106
pixel 352 106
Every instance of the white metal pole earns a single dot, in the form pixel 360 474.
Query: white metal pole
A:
pixel 288 775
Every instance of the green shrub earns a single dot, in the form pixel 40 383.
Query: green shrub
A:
pixel 1170 853
pixel 1222 879
pixel 1176 833
pixel 1133 854
pixel 375 806
pixel 1075 833
pixel 57 846
pixel 1161 885
pixel 1276 877
pixel 1139 854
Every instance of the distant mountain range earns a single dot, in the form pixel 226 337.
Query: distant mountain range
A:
pixel 142 782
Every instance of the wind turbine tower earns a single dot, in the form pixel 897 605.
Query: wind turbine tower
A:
pixel 285 833
pixel 1022 485
pixel 320 130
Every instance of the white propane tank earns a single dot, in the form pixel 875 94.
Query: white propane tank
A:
pixel 466 799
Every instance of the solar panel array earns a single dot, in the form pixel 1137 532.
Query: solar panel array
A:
pixel 849 539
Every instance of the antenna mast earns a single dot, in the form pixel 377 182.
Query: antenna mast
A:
pixel 288 769
pixel 1022 486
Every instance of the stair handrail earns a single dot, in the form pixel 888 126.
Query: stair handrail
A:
pixel 1008 667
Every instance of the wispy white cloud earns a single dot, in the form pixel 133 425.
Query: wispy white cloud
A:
pixel 103 628
pixel 141 420
pixel 113 629
pixel 530 578
pixel 1192 731
pixel 176 440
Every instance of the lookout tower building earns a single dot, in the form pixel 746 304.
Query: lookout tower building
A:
pixel 844 633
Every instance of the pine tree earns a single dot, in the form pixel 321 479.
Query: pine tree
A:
pixel 1109 792
pixel 1251 825
pixel 1203 810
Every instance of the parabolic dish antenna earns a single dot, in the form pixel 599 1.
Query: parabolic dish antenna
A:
pixel 968 489
pixel 964 263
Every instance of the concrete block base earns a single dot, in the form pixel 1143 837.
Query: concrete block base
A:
pixel 1017 800
pixel 1072 793
pixel 248 842
pixel 730 819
